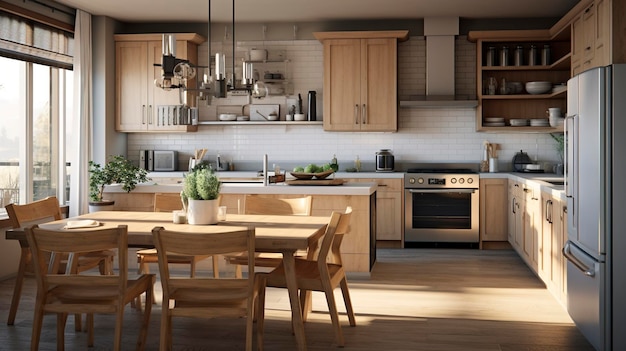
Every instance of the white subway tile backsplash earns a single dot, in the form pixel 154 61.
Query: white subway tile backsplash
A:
pixel 424 135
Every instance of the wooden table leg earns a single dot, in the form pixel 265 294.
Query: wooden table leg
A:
pixel 292 288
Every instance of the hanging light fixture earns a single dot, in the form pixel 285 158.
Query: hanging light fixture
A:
pixel 221 78
pixel 174 72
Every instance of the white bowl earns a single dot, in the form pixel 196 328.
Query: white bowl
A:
pixel 538 87
pixel 228 117
pixel 299 117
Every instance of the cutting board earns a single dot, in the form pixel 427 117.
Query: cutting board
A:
pixel 315 182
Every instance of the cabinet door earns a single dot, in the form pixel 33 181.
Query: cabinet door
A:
pixel 342 84
pixel 532 225
pixel 589 34
pixel 156 95
pixel 493 209
pixel 602 32
pixel 379 74
pixel 578 45
pixel 548 231
pixel 131 90
pixel 388 221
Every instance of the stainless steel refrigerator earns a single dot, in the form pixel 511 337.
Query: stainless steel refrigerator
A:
pixel 595 185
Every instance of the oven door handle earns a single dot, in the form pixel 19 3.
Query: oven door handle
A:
pixel 469 191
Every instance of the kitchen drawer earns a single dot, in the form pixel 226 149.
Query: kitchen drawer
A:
pixel 384 184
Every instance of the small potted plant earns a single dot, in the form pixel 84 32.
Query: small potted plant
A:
pixel 201 190
pixel 118 170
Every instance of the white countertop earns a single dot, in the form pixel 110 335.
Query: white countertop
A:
pixel 360 188
pixel 537 178
pixel 253 174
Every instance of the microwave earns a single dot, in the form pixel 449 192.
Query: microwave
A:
pixel 158 160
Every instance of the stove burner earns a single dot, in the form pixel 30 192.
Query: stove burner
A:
pixel 441 170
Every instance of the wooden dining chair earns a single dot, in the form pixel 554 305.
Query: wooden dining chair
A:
pixel 208 297
pixel 259 205
pixel 67 293
pixel 320 275
pixel 37 212
pixel 168 202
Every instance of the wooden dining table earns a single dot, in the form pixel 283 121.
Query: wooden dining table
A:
pixel 278 234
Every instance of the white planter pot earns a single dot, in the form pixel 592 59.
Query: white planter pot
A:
pixel 202 211
pixel 101 206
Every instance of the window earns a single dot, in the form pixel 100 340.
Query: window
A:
pixel 37 105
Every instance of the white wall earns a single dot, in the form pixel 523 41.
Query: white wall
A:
pixel 447 135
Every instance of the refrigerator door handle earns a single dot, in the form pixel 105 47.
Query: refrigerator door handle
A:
pixel 590 272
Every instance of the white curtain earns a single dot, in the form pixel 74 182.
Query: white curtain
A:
pixel 80 146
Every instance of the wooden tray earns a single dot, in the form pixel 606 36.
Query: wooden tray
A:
pixel 315 182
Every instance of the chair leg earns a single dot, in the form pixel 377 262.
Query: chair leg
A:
pixel 37 324
pixel 347 301
pixel 216 266
pixel 61 320
pixel 260 311
pixel 119 322
pixel 166 327
pixel 143 333
pixel 19 281
pixel 334 313
pixel 238 273
pixel 306 302
pixel 90 331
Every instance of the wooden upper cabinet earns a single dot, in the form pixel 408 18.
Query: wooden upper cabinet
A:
pixel 137 97
pixel 361 80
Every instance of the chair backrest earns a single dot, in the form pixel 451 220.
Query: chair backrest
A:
pixel 343 228
pixel 254 204
pixel 43 242
pixel 199 244
pixel 327 241
pixel 167 202
pixel 36 212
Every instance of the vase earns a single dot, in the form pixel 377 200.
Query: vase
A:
pixel 202 211
pixel 104 205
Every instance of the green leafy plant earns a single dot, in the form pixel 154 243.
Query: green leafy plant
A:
pixel 201 184
pixel 559 138
pixel 118 170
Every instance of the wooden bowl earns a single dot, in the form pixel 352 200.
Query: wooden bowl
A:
pixel 302 175
pixel 323 175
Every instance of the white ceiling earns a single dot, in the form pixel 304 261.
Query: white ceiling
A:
pixel 317 10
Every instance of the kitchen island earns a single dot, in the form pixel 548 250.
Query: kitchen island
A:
pixel 358 249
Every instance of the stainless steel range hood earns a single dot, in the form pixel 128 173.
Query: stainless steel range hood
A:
pixel 440 66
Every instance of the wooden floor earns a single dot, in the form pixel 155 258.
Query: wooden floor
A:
pixel 415 299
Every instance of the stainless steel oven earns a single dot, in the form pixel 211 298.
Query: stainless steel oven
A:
pixel 441 206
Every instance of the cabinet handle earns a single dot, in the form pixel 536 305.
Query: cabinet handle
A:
pixel 356 114
pixel 513 205
pixel 149 114
pixel 549 211
pixel 516 185
pixel 364 114
pixel 143 114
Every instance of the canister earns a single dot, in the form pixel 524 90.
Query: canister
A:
pixel 532 55
pixel 490 58
pixel 504 56
pixel 519 56
pixel 545 55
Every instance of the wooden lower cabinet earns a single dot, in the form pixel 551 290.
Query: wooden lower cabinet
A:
pixel 524 221
pixel 389 213
pixel 552 264
pixel 493 210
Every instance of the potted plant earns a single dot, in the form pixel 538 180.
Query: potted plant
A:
pixel 118 170
pixel 201 190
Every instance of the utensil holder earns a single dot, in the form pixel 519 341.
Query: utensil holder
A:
pixel 493 165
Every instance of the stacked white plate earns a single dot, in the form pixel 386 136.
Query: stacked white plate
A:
pixel 494 122
pixel 539 122
pixel 519 122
